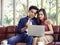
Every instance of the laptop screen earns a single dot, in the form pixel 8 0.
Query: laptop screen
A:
pixel 36 30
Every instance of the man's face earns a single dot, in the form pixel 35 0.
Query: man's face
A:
pixel 32 13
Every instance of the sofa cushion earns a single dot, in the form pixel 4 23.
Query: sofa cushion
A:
pixel 59 37
pixel 11 29
pixel 2 30
pixel 56 29
pixel 2 36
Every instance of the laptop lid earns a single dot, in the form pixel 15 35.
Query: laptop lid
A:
pixel 36 30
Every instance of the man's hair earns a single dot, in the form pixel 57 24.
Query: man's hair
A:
pixel 33 7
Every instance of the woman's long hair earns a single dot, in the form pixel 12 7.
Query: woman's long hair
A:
pixel 45 16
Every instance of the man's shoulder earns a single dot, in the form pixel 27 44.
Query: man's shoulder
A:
pixel 35 18
pixel 23 18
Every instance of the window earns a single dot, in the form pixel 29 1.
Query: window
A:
pixel 12 10
pixel 35 3
pixel 0 12
pixel 20 10
pixel 50 7
pixel 58 12
pixel 7 13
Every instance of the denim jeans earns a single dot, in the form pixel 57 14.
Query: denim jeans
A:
pixel 19 38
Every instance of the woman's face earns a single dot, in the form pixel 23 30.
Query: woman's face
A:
pixel 41 15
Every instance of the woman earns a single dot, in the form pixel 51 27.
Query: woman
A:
pixel 43 20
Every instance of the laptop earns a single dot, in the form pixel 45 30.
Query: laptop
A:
pixel 36 30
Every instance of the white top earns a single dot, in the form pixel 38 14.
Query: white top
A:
pixel 30 23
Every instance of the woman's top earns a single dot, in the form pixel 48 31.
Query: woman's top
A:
pixel 46 26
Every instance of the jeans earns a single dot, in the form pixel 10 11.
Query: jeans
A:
pixel 19 38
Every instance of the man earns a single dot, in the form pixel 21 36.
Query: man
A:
pixel 22 28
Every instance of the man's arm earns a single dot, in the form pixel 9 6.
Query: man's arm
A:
pixel 20 26
pixel 25 27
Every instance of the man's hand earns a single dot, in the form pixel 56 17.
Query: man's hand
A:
pixel 24 28
pixel 27 24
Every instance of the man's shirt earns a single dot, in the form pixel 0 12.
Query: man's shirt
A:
pixel 22 23
pixel 30 23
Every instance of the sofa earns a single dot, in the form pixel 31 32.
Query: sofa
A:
pixel 9 31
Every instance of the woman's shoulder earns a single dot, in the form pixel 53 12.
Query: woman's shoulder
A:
pixel 48 21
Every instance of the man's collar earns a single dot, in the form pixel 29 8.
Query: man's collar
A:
pixel 32 18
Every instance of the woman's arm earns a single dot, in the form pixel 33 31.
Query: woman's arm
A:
pixel 49 23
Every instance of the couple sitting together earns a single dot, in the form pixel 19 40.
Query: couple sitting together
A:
pixel 32 20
